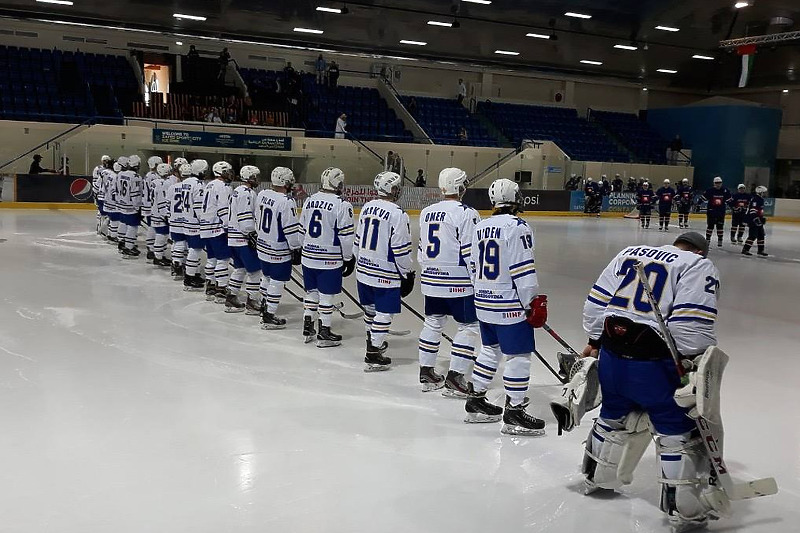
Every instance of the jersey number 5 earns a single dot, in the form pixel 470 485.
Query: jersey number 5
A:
pixel 640 302
pixel 434 244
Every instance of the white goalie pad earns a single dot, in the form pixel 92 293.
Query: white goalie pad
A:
pixel 702 394
pixel 614 449
pixel 580 394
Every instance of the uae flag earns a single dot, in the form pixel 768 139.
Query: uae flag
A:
pixel 748 53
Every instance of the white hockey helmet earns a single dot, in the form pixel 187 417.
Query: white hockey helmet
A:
pixel 741 187
pixel 178 162
pixel 761 190
pixel 717 182
pixel 134 161
pixel 388 184
pixel 452 181
pixel 604 177
pixel 117 167
pixel 332 179
pixel 122 161
pixel 667 182
pixel 105 159
pixel 164 170
pixel 282 177
pixel 223 169
pixel 250 174
pixel 200 168
pixel 153 162
pixel 504 193
pixel 589 179
pixel 685 181
pixel 185 170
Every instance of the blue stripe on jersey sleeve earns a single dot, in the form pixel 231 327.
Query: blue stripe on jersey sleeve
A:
pixel 601 290
pixel 597 302
pixel 695 306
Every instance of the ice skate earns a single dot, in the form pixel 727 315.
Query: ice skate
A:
pixel 681 525
pixel 270 321
pixel 253 307
pixel 518 422
pixel 163 262
pixel 193 283
pixel 479 410
pixel 429 379
pixel 762 253
pixel 211 291
pixel 747 252
pixel 374 359
pixel 177 270
pixel 128 253
pixel 232 304
pixel 326 338
pixel 220 295
pixel 455 385
pixel 309 333
pixel 150 255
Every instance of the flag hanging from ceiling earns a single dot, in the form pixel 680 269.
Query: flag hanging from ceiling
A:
pixel 748 53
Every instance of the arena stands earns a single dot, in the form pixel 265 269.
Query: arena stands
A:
pixel 443 120
pixel 646 144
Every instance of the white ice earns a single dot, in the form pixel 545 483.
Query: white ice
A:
pixel 130 405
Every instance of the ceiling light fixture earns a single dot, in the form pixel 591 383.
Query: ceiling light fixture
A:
pixel 785 91
pixel 644 89
pixel 439 23
pixel 179 43
pixel 537 35
pixel 483 2
pixel 59 2
pixel 577 15
pixel 668 28
pixel 740 5
pixel 700 56
pixel 309 30
pixel 415 43
pixel 590 62
pixel 329 10
pixel 626 47
pixel 189 17
pixel 666 71
pixel 506 53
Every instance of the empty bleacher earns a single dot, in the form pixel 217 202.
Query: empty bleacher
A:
pixel 646 144
pixel 442 119
pixel 580 139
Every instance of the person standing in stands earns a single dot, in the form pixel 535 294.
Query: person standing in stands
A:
pixel 412 106
pixel 333 74
pixel 341 126
pixel 224 59
pixel 321 66
pixel 462 91
pixel 36 167
pixel 675 148
pixel 420 181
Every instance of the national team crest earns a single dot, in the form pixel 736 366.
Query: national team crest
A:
pixel 81 189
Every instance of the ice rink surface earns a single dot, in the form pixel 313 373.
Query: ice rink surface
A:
pixel 130 406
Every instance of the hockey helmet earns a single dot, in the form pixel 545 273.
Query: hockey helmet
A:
pixel 685 181
pixel 224 170
pixel 741 187
pixel 282 177
pixel 122 161
pixel 453 181
pixel 134 161
pixel 153 162
pixel 589 179
pixel 667 182
pixel 163 170
pixel 718 182
pixel 388 184
pixel 117 167
pixel 250 174
pixel 185 171
pixel 105 159
pixel 504 193
pixel 200 168
pixel 178 162
pixel 332 179
pixel 761 190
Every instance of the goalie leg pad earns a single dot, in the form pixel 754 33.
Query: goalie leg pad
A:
pixel 690 495
pixel 613 450
pixel 709 381
pixel 581 394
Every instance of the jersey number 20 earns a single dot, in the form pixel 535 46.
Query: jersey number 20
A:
pixel 640 302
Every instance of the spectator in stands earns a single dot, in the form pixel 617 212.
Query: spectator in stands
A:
pixel 412 106
pixel 631 184
pixel 230 116
pixel 675 148
pixel 420 182
pixel 192 59
pixel 462 91
pixel 616 185
pixel 322 66
pixel 288 71
pixel 333 74
pixel 36 167
pixel 224 59
pixel 394 163
pixel 462 136
pixel 341 126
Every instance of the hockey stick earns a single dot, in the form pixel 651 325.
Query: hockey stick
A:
pixel 735 491
pixel 565 360
pixel 558 339
pixel 550 368
pixel 339 307
pixel 393 332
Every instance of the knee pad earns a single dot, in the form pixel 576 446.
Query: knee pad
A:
pixel 435 323
pixel 613 450
pixel 689 492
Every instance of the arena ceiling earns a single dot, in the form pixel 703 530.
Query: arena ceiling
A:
pixel 481 28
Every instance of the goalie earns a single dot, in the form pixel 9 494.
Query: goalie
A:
pixel 642 396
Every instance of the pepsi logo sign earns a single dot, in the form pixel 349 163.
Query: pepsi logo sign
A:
pixel 81 189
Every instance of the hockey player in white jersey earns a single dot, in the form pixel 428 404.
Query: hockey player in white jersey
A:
pixel 445 243
pixel 129 201
pixel 508 306
pixel 99 192
pixel 280 240
pixel 179 196
pixel 192 280
pixel 638 377
pixel 213 226
pixel 159 214
pixel 327 223
pixel 384 267
pixel 148 204
pixel 242 239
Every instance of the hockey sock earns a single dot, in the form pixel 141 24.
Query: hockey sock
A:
pixel 150 237
pixel 485 367
pixel 122 230
pixel 274 293
pixel 429 339
pixel 111 231
pixel 208 270
pixel 666 221
pixel 236 281
pixel 221 273
pixel 160 246
pixel 192 261
pixel 369 316
pixel 740 233
pixel 760 245
pixel 462 354
pixel 326 309
pixel 709 231
pixel 98 221
pixel 380 328
pixel 130 237
pixel 516 376
pixel 720 234
pixel 311 304
pixel 263 287
pixel 179 251
pixel 251 285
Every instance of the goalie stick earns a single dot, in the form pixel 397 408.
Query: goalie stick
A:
pixel 735 491
pixel 565 360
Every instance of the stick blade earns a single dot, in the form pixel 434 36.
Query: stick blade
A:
pixel 754 489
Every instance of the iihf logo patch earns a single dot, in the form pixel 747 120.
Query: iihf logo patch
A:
pixel 81 189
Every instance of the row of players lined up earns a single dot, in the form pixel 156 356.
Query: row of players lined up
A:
pixel 747 210
pixel 479 272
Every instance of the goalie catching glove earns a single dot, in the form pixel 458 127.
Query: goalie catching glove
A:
pixel 537 314
pixel 407 284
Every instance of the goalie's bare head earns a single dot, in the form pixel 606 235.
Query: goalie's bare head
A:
pixel 692 241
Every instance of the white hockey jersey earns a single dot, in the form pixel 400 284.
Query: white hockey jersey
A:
pixel 328 231
pixel 109 187
pixel 382 245
pixel 278 228
pixel 148 193
pixel 214 213
pixel 445 242
pixel 97 183
pixel 504 269
pixel 129 192
pixel 241 217
pixel 182 215
pixel 160 209
pixel 684 284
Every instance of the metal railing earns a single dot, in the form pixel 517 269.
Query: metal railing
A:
pixel 88 123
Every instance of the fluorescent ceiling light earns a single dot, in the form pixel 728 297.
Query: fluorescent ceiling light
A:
pixel 740 5
pixel 644 89
pixel 590 62
pixel 308 30
pixel 666 71
pixel 415 43
pixel 438 23
pixel 506 53
pixel 700 56
pixel 537 35
pixel 329 10
pixel 667 28
pixel 484 2
pixel 188 17
pixel 786 90
pixel 179 43
pixel 626 47
pixel 577 15
pixel 59 2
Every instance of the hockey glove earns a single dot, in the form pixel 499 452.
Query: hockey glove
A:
pixel 252 240
pixel 297 256
pixel 537 314
pixel 686 396
pixel 407 284
pixel 349 266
